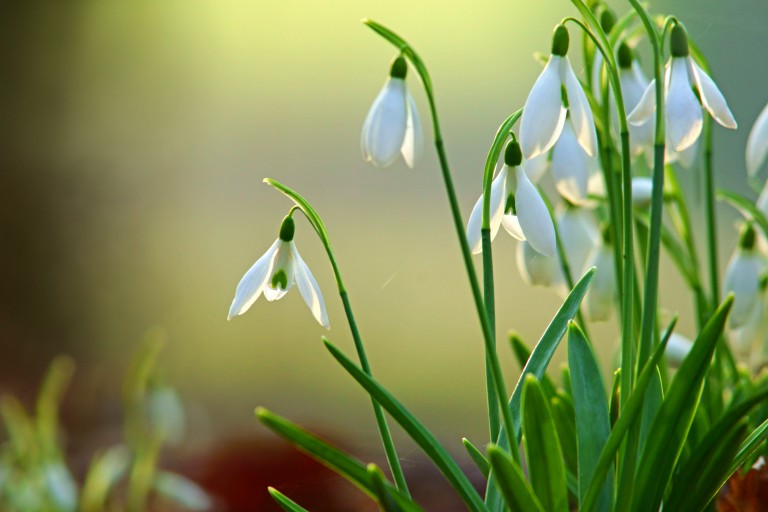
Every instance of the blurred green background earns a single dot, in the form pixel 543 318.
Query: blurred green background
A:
pixel 135 136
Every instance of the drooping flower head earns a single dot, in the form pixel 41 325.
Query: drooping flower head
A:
pixel 544 114
pixel 757 143
pixel 392 126
pixel 607 22
pixel 274 274
pixel 633 85
pixel 516 204
pixel 683 116
pixel 743 277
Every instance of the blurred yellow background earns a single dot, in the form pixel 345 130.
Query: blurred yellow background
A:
pixel 135 136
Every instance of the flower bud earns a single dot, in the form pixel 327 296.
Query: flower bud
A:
pixel 607 21
pixel 513 156
pixel 399 68
pixel 287 229
pixel 678 41
pixel 625 56
pixel 560 41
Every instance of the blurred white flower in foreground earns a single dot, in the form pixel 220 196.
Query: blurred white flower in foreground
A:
pixel 544 114
pixel 677 348
pixel 515 203
pixel 743 277
pixel 633 86
pixel 579 235
pixel 392 126
pixel 537 269
pixel 683 117
pixel 601 295
pixel 274 274
pixel 757 143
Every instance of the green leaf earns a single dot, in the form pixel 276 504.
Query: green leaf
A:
pixel 431 446
pixel 537 366
pixel 515 489
pixel 593 425
pixel 523 354
pixel 285 502
pixel 47 422
pixel 749 446
pixel 106 470
pixel 654 396
pixel 565 422
pixel 478 458
pixel 746 207
pixel 673 421
pixel 390 499
pixel 546 467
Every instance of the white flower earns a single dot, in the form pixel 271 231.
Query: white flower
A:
pixel 742 278
pixel 515 204
pixel 537 269
pixel 677 348
pixel 633 85
pixel 600 297
pixel 572 167
pixel 274 274
pixel 757 143
pixel 683 115
pixel 754 329
pixel 544 114
pixel 642 190
pixel 392 126
pixel 579 235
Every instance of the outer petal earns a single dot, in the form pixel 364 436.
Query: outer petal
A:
pixel 537 269
pixel 762 199
pixel 642 188
pixel 498 196
pixel 413 143
pixel 536 167
pixel 283 261
pixel 512 224
pixel 544 114
pixel 711 97
pixel 753 331
pixel 633 87
pixel 252 283
pixel 579 236
pixel 571 166
pixel 309 289
pixel 580 111
pixel 384 128
pixel 742 277
pixel 683 114
pixel 757 144
pixel 597 68
pixel 678 347
pixel 600 297
pixel 645 107
pixel 534 216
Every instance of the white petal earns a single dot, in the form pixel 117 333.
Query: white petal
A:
pixel 754 329
pixel 633 87
pixel 677 348
pixel 512 224
pixel 498 197
pixel 385 126
pixel 579 235
pixel 534 216
pixel 597 68
pixel 642 188
pixel 596 185
pixel 686 157
pixel 537 269
pixel 742 277
pixel 283 262
pixel 683 114
pixel 599 301
pixel 413 143
pixel 252 283
pixel 543 115
pixel 309 289
pixel 762 199
pixel 757 144
pixel 536 167
pixel 645 107
pixel 571 166
pixel 580 111
pixel 711 97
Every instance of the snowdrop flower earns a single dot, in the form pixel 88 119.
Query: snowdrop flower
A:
pixel 757 143
pixel 743 277
pixel 392 126
pixel 642 190
pixel 607 22
pixel 516 204
pixel 544 114
pixel 579 235
pixel 274 274
pixel 572 167
pixel 537 269
pixel 683 115
pixel 753 331
pixel 602 293
pixel 633 85
pixel 677 348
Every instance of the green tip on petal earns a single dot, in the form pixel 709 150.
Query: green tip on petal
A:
pixel 279 280
pixel 560 41
pixel 747 237
pixel 399 68
pixel 625 56
pixel 513 155
pixel 678 41
pixel 287 229
pixel 607 21
pixel 510 207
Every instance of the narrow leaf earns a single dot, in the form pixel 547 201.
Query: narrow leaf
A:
pixel 285 502
pixel 478 458
pixel 515 489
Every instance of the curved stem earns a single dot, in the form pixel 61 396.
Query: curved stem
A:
pixel 317 223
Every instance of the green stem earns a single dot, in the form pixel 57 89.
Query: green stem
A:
pixel 317 223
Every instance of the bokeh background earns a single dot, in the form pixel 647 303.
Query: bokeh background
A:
pixel 134 137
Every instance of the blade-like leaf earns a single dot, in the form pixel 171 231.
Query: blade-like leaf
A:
pixel 565 421
pixel 104 473
pixel 390 499
pixel 415 429
pixel 593 425
pixel 537 366
pixel 477 457
pixel 523 354
pixel 512 483
pixel 546 467
pixel 670 427
pixel 285 502
pixel 750 444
